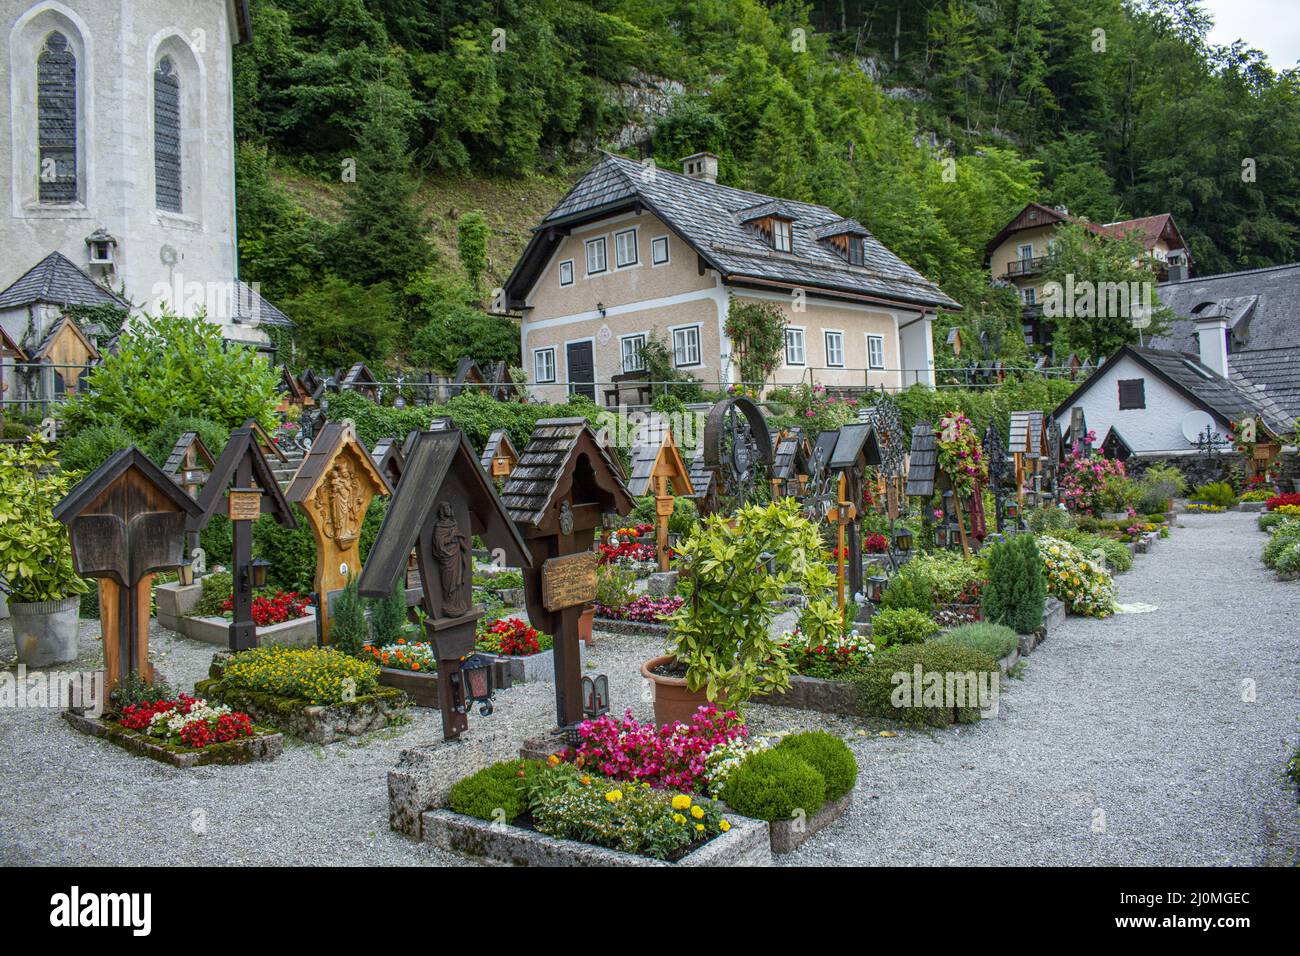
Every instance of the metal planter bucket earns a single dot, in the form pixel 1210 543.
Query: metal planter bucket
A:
pixel 46 633
pixel 4 606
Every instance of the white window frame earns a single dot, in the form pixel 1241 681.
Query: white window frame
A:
pixel 699 351
pixel 537 354
pixel 591 244
pixel 826 344
pixel 636 254
pixel 570 264
pixel 623 355
pixel 875 360
pixel 782 227
pixel 803 346
pixel 1020 251
pixel 1029 295
pixel 654 251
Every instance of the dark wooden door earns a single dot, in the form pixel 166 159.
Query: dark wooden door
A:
pixel 582 369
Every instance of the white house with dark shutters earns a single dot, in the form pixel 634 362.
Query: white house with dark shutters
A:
pixel 117 149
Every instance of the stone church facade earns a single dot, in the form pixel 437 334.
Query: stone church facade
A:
pixel 118 154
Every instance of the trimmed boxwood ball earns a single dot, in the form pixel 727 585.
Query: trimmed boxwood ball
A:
pixel 773 784
pixel 902 625
pixel 496 788
pixel 828 755
pixel 878 684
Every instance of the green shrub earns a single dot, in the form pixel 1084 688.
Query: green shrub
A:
pixel 217 540
pixel 1268 520
pixel 995 640
pixel 1115 553
pixel 132 691
pixel 951 577
pixel 1280 538
pixel 1016 592
pixel 217 586
pixel 907 589
pixel 91 447
pixel 388 616
pixel 1218 493
pixel 160 441
pixel 1049 518
pixel 614 585
pixel 773 785
pixel 13 431
pixel 492 790
pixel 348 629
pixel 883 694
pixel 828 755
pixel 1288 559
pixel 903 625
pixel 291 551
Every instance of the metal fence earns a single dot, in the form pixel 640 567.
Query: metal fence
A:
pixel 38 388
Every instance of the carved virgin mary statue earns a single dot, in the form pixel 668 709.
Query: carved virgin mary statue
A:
pixel 339 504
pixel 451 549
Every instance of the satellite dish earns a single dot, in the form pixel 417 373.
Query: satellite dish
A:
pixel 1194 424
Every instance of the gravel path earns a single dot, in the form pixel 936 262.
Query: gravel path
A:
pixel 1140 716
pixel 1134 726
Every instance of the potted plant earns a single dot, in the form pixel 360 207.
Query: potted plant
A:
pixel 722 646
pixel 43 589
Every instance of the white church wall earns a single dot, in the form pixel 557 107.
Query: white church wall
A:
pixel 187 259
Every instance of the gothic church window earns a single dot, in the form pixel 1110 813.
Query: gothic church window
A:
pixel 167 136
pixel 56 115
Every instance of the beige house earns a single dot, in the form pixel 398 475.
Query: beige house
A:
pixel 1021 253
pixel 634 253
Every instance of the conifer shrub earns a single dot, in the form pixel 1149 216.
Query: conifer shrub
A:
pixel 1016 590
pixel 388 616
pixel 348 629
pixel 498 789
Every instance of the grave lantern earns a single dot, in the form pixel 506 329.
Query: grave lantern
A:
pixel 257 570
pixel 243 471
pixel 126 520
pixel 475 685
pixel 443 501
pixel 876 588
pixel 564 483
pixel 902 539
pixel 595 696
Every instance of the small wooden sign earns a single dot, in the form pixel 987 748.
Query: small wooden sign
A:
pixel 569 581
pixel 245 505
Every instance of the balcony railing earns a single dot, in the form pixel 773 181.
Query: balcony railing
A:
pixel 1027 267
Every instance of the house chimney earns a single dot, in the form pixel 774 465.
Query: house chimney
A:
pixel 1177 271
pixel 1212 335
pixel 702 166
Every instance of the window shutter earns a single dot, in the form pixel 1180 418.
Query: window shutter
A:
pixel 167 136
pixel 56 112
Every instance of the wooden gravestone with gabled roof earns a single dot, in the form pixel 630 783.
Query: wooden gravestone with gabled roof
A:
pixel 388 460
pixel 1028 448
pixel 658 469
pixel 189 465
pixel 334 486
pixel 442 502
pixel 790 462
pixel 126 520
pixel 499 456
pixel 558 496
pixel 856 449
pixel 1077 441
pixel 360 379
pixel 242 486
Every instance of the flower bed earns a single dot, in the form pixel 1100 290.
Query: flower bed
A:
pixel 832 658
pixel 184 731
pixel 674 756
pixel 513 637
pixel 1084 587
pixel 317 694
pixel 269 610
pixel 1279 501
pixel 644 609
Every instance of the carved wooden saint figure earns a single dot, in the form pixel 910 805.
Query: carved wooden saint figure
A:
pixel 341 510
pixel 451 549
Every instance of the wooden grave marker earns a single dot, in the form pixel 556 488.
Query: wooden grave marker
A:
pixel 189 465
pixel 442 502
pixel 334 486
pixel 658 469
pixel 126 520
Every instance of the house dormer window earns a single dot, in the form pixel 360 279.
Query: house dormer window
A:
pixel 857 250
pixel 782 235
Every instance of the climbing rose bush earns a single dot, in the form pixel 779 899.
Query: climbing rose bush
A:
pixel 1084 479
pixel 671 756
pixel 1082 586
pixel 960 456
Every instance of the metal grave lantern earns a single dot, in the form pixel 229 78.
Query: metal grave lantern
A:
pixel 442 502
pixel 595 696
pixel 902 539
pixel 334 486
pixel 556 496
pixel 126 520
pixel 876 588
pixel 189 465
pixel 474 686
pixel 658 469
pixel 243 487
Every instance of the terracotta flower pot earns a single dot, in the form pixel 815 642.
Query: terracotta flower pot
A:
pixel 674 701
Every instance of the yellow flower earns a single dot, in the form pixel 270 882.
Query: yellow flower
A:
pixel 586 780
pixel 614 796
pixel 681 801
pixel 678 818
pixel 699 827
pixel 697 812
pixel 724 826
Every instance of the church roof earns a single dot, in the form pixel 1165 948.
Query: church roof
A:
pixel 56 280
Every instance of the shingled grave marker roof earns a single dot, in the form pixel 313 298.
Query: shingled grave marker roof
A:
pixel 923 460
pixel 542 473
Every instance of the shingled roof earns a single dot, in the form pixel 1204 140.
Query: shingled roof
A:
pixel 1262 307
pixel 498 443
pixel 252 309
pixel 543 464
pixel 711 219
pixel 55 280
pixel 789 458
pixel 923 462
